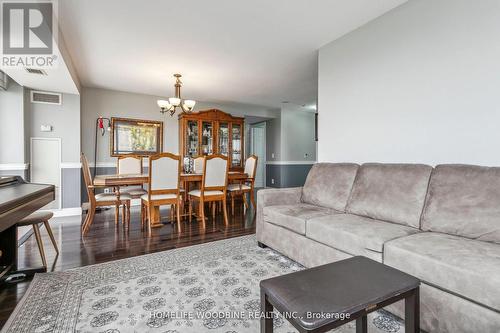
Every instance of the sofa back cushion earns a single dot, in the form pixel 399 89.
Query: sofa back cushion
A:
pixel 390 192
pixel 464 200
pixel 329 185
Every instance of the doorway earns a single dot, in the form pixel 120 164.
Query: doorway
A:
pixel 45 166
pixel 258 148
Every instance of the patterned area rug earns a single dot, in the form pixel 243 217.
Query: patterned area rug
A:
pixel 210 287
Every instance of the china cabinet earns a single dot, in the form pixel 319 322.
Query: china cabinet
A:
pixel 212 132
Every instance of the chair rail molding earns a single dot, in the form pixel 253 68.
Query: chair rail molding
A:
pixel 14 166
pixel 290 162
pixel 70 165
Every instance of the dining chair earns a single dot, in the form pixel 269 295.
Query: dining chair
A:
pixel 213 185
pixel 102 199
pixel 164 186
pixel 198 164
pixel 245 186
pixel 130 164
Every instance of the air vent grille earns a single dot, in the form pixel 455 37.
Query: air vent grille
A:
pixel 36 71
pixel 46 97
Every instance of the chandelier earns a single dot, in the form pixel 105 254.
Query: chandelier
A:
pixel 173 103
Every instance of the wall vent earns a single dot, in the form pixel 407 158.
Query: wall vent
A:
pixel 35 71
pixel 44 97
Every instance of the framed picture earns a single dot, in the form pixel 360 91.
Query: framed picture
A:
pixel 136 137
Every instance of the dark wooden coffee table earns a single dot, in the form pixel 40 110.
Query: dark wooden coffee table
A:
pixel 321 298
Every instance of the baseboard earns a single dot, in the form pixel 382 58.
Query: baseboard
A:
pixel 74 211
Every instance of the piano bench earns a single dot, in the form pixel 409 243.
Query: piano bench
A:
pixel 34 220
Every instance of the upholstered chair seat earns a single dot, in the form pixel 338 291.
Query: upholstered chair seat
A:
pixel 110 197
pixel 238 187
pixel 145 197
pixel 133 191
pixel 197 193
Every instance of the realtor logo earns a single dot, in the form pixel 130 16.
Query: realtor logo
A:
pixel 28 33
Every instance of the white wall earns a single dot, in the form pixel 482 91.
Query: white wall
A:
pixel 419 84
pixel 12 118
pixel 109 103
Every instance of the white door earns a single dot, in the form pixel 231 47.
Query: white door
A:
pixel 258 147
pixel 45 165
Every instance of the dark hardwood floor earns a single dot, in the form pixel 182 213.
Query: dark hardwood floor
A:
pixel 106 242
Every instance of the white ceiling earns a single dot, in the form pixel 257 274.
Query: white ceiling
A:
pixel 259 52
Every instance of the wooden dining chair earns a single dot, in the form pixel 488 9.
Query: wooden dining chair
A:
pixel 102 199
pixel 130 164
pixel 198 164
pixel 164 186
pixel 245 186
pixel 213 186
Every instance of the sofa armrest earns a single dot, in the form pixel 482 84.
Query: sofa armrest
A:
pixel 274 197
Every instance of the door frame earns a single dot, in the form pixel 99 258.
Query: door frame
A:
pixel 59 141
pixel 262 159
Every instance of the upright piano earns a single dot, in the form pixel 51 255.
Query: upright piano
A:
pixel 18 199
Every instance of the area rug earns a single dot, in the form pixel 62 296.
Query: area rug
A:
pixel 213 287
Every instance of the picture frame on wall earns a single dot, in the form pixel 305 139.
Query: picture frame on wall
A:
pixel 135 137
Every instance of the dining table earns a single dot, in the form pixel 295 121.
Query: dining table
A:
pixel 117 180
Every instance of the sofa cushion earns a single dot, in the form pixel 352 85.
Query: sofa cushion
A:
pixel 464 200
pixel 329 185
pixel 390 192
pixel 293 217
pixel 466 267
pixel 354 234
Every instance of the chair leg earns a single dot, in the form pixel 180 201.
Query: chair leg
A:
pixel 124 215
pixel 150 215
pixel 90 213
pixel 128 213
pixel 244 196
pixel 214 206
pixel 142 214
pixel 40 243
pixel 51 235
pixel 202 211
pixel 232 204
pixel 190 210
pixel 117 213
pixel 179 214
pixel 224 208
pixel 252 199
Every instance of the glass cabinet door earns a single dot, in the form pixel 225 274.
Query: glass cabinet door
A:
pixel 192 138
pixel 224 139
pixel 207 138
pixel 236 145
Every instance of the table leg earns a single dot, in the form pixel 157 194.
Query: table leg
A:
pixel 412 312
pixel 266 321
pixel 362 324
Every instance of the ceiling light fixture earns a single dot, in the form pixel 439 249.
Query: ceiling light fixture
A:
pixel 171 105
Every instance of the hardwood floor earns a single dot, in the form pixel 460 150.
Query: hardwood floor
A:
pixel 106 242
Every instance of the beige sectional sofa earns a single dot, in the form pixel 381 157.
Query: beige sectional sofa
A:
pixel 440 224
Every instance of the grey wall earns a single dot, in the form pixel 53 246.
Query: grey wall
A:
pixel 65 121
pixel 12 119
pixel 297 134
pixel 290 137
pixel 287 175
pixel 419 84
pixel 109 103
